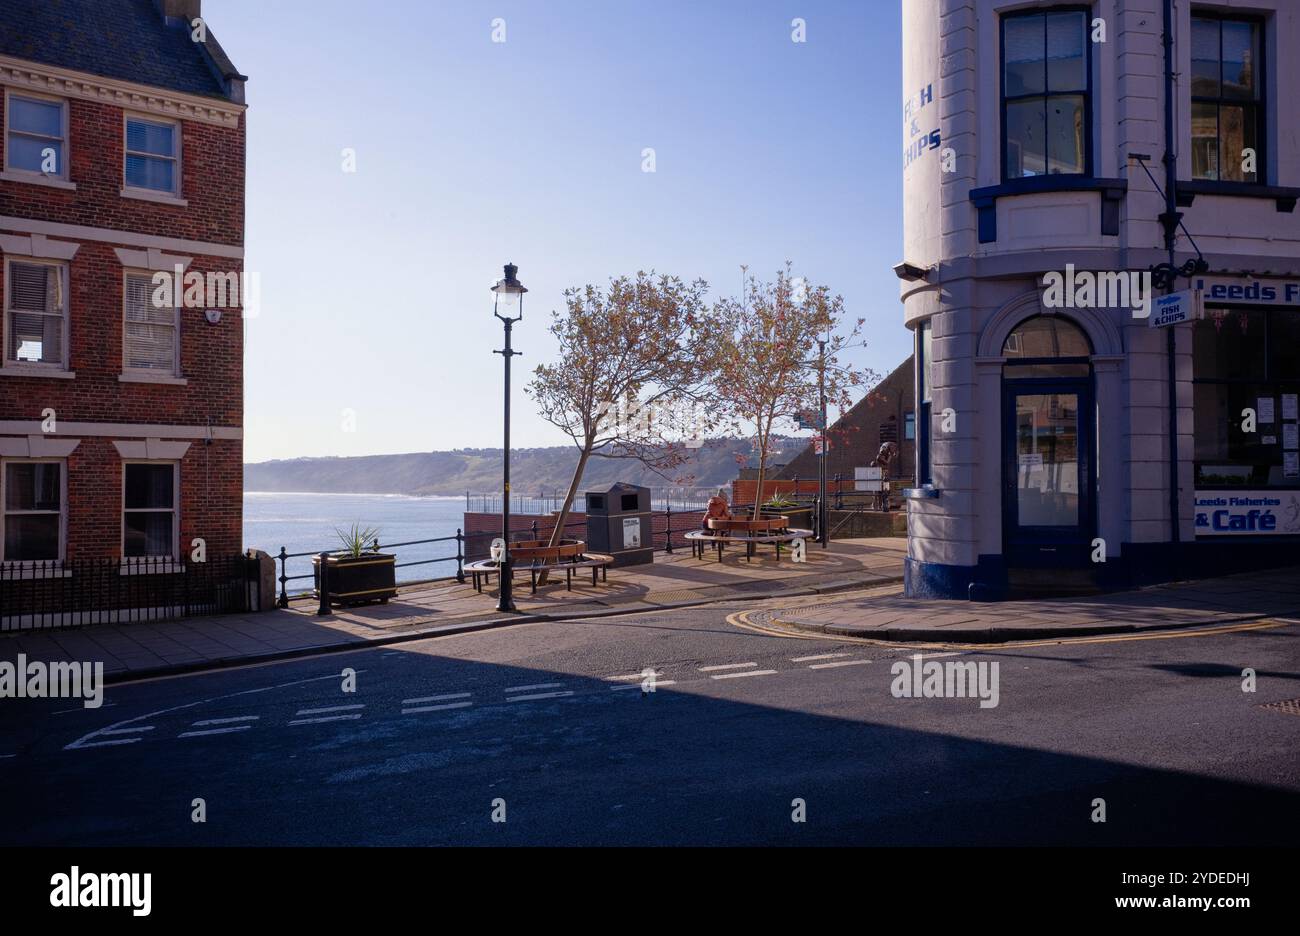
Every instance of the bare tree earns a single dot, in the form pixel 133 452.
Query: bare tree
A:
pixel 625 369
pixel 766 367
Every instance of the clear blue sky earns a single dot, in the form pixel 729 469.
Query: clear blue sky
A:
pixel 470 153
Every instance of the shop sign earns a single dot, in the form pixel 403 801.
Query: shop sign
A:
pixel 1247 513
pixel 1228 291
pixel 1176 308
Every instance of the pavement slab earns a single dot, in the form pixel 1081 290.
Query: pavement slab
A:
pixel 1269 595
pixel 446 606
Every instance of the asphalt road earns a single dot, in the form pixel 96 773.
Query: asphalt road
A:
pixel 531 723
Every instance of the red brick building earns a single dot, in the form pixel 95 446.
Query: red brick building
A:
pixel 885 414
pixel 121 166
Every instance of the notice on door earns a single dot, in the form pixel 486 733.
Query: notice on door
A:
pixel 631 532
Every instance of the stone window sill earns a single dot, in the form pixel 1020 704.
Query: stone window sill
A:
pixel 37 179
pixel 1283 198
pixel 985 199
pixel 162 198
pixel 152 379
pixel 18 370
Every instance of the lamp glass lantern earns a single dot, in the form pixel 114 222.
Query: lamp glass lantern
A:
pixel 509 293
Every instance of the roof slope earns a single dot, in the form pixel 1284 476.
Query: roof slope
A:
pixel 123 39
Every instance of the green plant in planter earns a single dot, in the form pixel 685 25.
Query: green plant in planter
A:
pixel 779 502
pixel 357 540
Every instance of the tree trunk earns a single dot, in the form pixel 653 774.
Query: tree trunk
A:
pixel 762 469
pixel 563 516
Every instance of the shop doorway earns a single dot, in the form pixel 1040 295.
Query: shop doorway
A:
pixel 1049 446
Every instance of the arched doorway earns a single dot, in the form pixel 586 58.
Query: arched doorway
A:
pixel 1049 444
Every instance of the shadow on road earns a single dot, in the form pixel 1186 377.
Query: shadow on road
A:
pixel 673 767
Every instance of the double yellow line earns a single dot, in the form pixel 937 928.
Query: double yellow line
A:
pixel 741 619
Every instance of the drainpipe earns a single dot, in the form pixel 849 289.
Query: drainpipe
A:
pixel 1170 219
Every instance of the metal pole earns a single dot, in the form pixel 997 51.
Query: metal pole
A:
pixel 1171 219
pixel 822 532
pixel 506 602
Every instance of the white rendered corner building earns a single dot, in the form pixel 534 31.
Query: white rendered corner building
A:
pixel 1075 429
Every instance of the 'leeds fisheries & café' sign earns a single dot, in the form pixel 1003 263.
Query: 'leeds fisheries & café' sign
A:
pixel 1247 513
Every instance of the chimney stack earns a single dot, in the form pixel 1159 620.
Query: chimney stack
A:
pixel 187 10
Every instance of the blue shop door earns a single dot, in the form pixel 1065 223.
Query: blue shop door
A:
pixel 1048 503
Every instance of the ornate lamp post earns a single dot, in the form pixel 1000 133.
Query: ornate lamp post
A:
pixel 509 308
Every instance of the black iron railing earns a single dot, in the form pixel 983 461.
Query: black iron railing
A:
pixel 465 547
pixel 75 593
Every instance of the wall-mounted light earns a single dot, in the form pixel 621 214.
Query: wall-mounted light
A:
pixel 213 316
pixel 909 272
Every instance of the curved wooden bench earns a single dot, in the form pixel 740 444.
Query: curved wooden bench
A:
pixel 534 550
pixel 699 540
pixel 599 563
pixel 767 524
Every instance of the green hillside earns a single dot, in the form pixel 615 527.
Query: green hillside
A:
pixel 479 470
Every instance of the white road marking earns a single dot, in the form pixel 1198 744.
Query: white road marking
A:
pixel 332 708
pixel 212 731
pixel 114 731
pixel 7 756
pixel 658 683
pixel 436 708
pixel 817 656
pixel 724 666
pixel 540 695
pixel 226 721
pixel 761 672
pixel 837 663
pixel 82 709
pixel 327 718
pixel 437 698
pixel 542 685
pixel 85 742
pixel 631 676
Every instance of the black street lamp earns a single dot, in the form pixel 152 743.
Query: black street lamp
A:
pixel 509 308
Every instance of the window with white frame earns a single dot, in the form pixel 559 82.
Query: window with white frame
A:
pixel 149 333
pixel 150 509
pixel 35 312
pixel 152 155
pixel 36 135
pixel 33 510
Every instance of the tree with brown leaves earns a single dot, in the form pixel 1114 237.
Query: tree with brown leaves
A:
pixel 766 367
pixel 626 365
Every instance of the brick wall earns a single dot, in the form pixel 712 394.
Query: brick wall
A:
pixel 212 181
pixel 211 356
pixel 743 490
pixel 855 436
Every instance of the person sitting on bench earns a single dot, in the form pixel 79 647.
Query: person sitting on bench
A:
pixel 717 509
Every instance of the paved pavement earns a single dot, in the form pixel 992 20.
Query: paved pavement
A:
pixel 886 615
pixel 546 727
pixel 143 649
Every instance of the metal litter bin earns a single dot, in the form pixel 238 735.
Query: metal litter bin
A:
pixel 618 523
